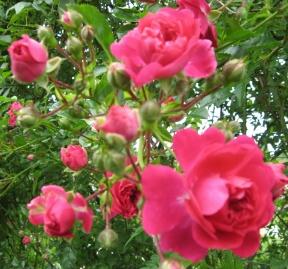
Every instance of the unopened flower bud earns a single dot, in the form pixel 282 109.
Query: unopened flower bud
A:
pixel 46 35
pixel 97 161
pixel 114 162
pixel 87 34
pixel 53 66
pixel 234 70
pixel 72 19
pixel 27 116
pixel 118 77
pixel 115 141
pixel 108 238
pixel 171 264
pixel 74 47
pixel 30 157
pixel 150 112
pixel 214 81
pixel 228 128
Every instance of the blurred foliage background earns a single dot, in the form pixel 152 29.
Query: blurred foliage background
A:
pixel 256 31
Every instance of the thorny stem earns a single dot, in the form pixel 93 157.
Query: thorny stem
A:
pixel 61 84
pixel 51 113
pixel 132 162
pixel 68 57
pixel 95 194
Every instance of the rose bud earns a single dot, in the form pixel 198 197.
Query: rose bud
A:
pixel 234 70
pixel 150 113
pixel 26 240
pixel 28 59
pixel 14 107
pixel 171 264
pixel 74 156
pixel 30 157
pixel 71 19
pixel 114 162
pixel 108 238
pixel 87 34
pixel 74 47
pixel 120 120
pixel 98 161
pixel 115 141
pixel 118 77
pixel 46 35
pixel 27 116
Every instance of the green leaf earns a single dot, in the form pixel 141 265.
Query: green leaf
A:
pixel 5 39
pixel 97 20
pixel 18 7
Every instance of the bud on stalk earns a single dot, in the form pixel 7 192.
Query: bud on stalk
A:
pixel 46 35
pixel 114 162
pixel 71 19
pixel 87 34
pixel 108 238
pixel 27 116
pixel 234 70
pixel 74 47
pixel 118 77
pixel 150 114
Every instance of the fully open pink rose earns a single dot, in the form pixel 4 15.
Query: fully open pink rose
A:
pixel 15 106
pixel 164 44
pixel 201 9
pixel 58 210
pixel 121 120
pixel 281 180
pixel 74 156
pixel 28 59
pixel 221 200
pixel 125 196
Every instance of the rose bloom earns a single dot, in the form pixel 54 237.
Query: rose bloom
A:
pixel 164 44
pixel 125 196
pixel 14 107
pixel 121 120
pixel 74 156
pixel 58 210
pixel 28 59
pixel 26 240
pixel 221 200
pixel 281 180
pixel 201 9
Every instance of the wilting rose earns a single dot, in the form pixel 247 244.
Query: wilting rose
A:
pixel 74 156
pixel 58 210
pixel 221 200
pixel 201 9
pixel 125 196
pixel 164 44
pixel 28 59
pixel 121 120
pixel 14 107
pixel 281 180
pixel 26 240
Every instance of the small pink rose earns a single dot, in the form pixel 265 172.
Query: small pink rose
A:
pixel 165 43
pixel 14 107
pixel 121 120
pixel 74 156
pixel 26 240
pixel 281 180
pixel 28 59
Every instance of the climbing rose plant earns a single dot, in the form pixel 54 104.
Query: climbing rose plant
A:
pixel 215 193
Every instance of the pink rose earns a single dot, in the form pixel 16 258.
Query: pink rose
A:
pixel 14 107
pixel 26 240
pixel 281 180
pixel 125 196
pixel 221 200
pixel 121 120
pixel 201 9
pixel 28 59
pixel 164 44
pixel 58 210
pixel 74 156
pixel 66 18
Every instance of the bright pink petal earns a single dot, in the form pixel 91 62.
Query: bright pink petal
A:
pixel 181 241
pixel 164 199
pixel 187 144
pixel 250 245
pixel 53 189
pixel 36 49
pixel 203 63
pixel 211 194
